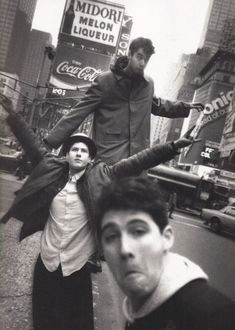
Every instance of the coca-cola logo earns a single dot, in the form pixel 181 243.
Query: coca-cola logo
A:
pixel 87 73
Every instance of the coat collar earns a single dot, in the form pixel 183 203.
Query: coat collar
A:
pixel 119 77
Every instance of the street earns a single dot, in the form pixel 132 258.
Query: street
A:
pixel 215 254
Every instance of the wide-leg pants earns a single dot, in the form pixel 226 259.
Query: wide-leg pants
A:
pixel 62 303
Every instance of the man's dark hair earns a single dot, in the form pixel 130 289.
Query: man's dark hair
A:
pixel 138 194
pixel 144 43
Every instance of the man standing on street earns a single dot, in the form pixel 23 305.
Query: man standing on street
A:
pixel 58 198
pixel 122 101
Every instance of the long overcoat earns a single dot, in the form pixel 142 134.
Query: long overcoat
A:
pixel 122 110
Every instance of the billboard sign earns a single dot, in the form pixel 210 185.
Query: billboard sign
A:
pixel 124 38
pixel 93 21
pixel 214 110
pixel 77 68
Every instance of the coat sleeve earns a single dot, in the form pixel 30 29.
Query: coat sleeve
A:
pixel 143 160
pixel 164 108
pixel 70 122
pixel 29 141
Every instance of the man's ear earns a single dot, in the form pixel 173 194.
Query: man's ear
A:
pixel 168 237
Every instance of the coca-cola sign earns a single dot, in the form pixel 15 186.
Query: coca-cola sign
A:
pixel 75 67
pixel 87 73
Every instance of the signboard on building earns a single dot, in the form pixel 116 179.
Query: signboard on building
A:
pixel 76 68
pixel 207 152
pixel 228 138
pixel 124 38
pixel 94 22
pixel 214 110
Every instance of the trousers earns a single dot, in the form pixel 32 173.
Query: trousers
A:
pixel 62 303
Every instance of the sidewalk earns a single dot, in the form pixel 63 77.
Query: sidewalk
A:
pixel 17 260
pixel 17 264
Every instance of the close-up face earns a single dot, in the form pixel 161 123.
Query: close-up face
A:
pixel 78 156
pixel 138 61
pixel 134 249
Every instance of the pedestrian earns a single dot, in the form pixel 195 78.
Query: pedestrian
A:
pixel 122 101
pixel 163 290
pixel 172 204
pixel 57 198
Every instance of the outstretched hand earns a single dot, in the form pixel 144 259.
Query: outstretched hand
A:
pixel 198 106
pixel 7 104
pixel 186 140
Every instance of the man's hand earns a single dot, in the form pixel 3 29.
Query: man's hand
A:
pixel 198 106
pixel 186 140
pixel 7 104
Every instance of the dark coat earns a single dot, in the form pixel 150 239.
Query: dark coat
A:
pixel 196 306
pixel 122 109
pixel 50 174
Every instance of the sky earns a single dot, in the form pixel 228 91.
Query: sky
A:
pixel 174 26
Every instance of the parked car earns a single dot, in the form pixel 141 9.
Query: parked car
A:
pixel 220 220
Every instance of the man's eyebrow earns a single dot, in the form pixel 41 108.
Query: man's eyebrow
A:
pixel 134 221
pixel 107 226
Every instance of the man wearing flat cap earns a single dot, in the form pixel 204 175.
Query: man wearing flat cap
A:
pixel 58 199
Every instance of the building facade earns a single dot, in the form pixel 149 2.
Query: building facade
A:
pixel 216 92
pixel 219 12
pixel 15 24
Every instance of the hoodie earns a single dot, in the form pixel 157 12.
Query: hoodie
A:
pixel 178 272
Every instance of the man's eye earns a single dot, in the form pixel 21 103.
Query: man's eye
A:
pixel 110 237
pixel 139 231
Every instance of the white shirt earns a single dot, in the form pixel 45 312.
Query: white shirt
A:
pixel 67 237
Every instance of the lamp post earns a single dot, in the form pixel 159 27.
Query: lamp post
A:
pixel 49 52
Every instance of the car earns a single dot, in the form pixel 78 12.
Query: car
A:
pixel 220 220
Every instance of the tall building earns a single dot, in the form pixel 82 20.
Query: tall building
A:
pixel 228 36
pixel 227 146
pixel 219 11
pixel 36 65
pixel 215 91
pixel 15 23
pixel 159 124
pixel 35 72
pixel 181 87
pixel 219 34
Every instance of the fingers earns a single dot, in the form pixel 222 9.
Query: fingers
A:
pixel 198 106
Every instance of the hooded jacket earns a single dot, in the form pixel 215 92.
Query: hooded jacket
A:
pixel 122 107
pixel 182 301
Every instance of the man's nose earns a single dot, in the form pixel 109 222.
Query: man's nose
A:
pixel 126 248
